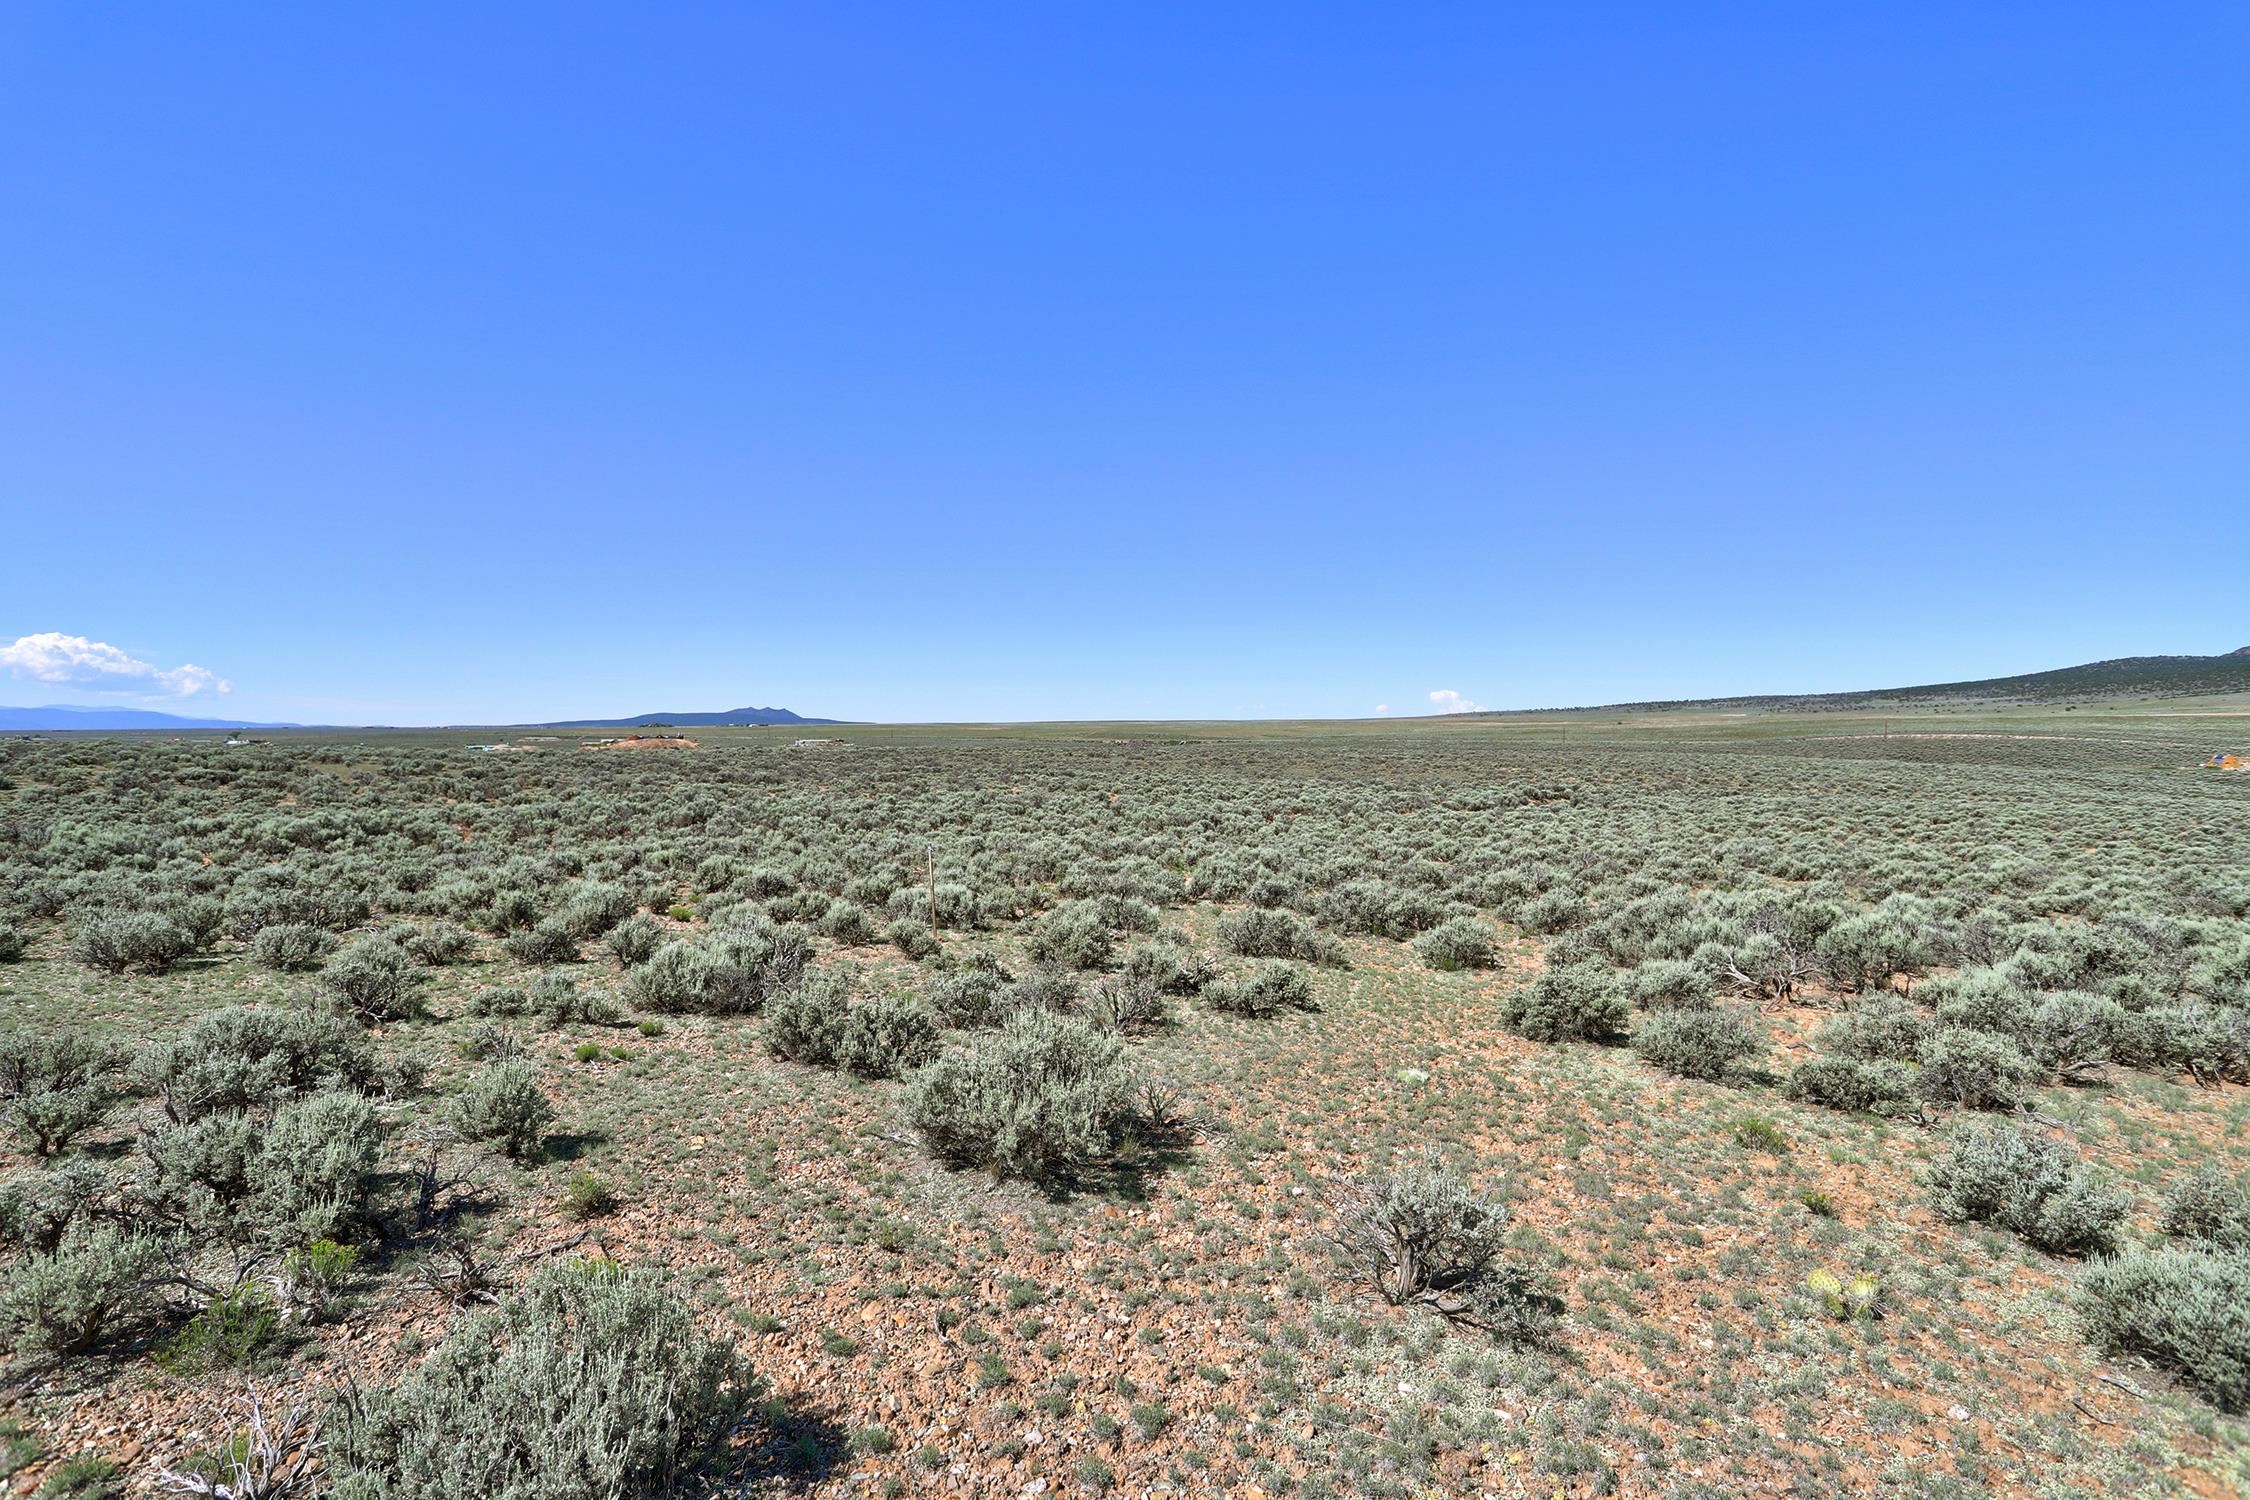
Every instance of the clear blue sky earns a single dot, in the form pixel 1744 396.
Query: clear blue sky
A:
pixel 443 363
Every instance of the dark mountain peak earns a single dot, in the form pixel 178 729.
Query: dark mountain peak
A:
pixel 700 720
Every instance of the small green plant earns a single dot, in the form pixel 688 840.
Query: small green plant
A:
pixel 1817 1203
pixel 82 1478
pixel 587 1052
pixel 1151 1418
pixel 838 1343
pixel 588 1197
pixel 313 1277
pixel 231 1331
pixel 1846 1301
pixel 876 1439
pixel 651 1027
pixel 1756 1133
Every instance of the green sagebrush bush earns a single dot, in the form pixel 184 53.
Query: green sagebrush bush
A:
pixel 555 999
pixel 2187 1311
pixel 440 943
pixel 2031 1184
pixel 879 1037
pixel 731 971
pixel 2209 1208
pixel 315 1171
pixel 251 1057
pixel 118 941
pixel 636 939
pixel 13 943
pixel 1708 1044
pixel 970 996
pixel 1039 1099
pixel 1170 963
pixel 1256 932
pixel 98 1279
pixel 1669 984
pixel 1420 1234
pixel 1575 1002
pixel 37 1208
pixel 503 1104
pixel 305 1174
pixel 1876 1027
pixel 292 947
pixel 375 979
pixel 549 942
pixel 847 924
pixel 55 1085
pixel 1073 934
pixel 1127 1004
pixel 1459 943
pixel 1268 990
pixel 911 938
pixel 1880 1086
pixel 1969 1069
pixel 589 1381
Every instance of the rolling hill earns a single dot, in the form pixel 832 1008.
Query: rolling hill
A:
pixel 687 720
pixel 2125 677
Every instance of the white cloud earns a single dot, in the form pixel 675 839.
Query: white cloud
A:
pixel 1448 701
pixel 52 656
pixel 1382 708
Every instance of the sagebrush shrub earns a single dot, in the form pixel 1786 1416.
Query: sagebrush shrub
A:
pixel 119 941
pixel 97 1280
pixel 549 942
pixel 1707 1044
pixel 1669 983
pixel 1576 1002
pixel 635 940
pixel 2187 1311
pixel 441 943
pixel 503 1104
pixel 1073 934
pixel 251 1057
pixel 376 979
pixel 1879 1086
pixel 732 971
pixel 315 1171
pixel 590 1381
pixel 1259 933
pixel 968 998
pixel 292 947
pixel 1039 1099
pixel 1975 1070
pixel 821 1023
pixel 2031 1184
pixel 1460 943
pixel 1874 1027
pixel 2209 1207
pixel 1422 1234
pixel 55 1085
pixel 1268 990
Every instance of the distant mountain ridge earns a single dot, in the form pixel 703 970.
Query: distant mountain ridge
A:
pixel 687 721
pixel 2090 682
pixel 70 716
pixel 65 716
